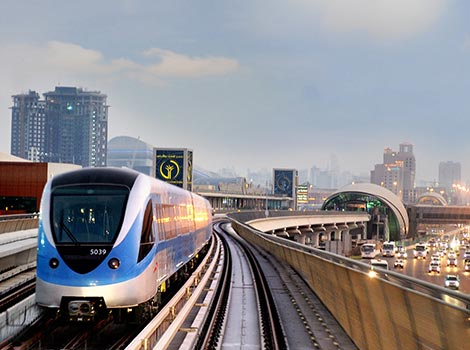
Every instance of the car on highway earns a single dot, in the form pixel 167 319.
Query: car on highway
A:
pixel 452 262
pixel 452 281
pixel 434 266
pixel 466 266
pixel 383 264
pixel 402 253
pixel 420 251
pixel 466 255
pixel 399 263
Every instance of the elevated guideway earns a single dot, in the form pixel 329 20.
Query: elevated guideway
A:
pixel 387 311
pixel 384 310
pixel 312 228
pixel 437 214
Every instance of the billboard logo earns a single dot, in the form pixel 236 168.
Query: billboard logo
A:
pixel 171 165
pixel 284 182
pixel 169 169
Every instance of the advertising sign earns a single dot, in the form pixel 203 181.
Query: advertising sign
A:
pixel 284 182
pixel 172 166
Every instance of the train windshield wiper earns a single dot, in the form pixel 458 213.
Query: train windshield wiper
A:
pixel 69 233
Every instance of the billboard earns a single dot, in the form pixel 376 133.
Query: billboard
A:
pixel 302 194
pixel 284 184
pixel 174 165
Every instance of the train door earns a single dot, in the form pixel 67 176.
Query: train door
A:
pixel 162 251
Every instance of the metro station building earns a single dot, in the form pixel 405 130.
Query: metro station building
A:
pixel 389 218
pixel 22 183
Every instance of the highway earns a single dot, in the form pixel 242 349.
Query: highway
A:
pixel 418 268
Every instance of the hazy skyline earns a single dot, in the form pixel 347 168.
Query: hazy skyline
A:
pixel 256 84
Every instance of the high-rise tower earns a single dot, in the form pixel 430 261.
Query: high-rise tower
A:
pixel 28 127
pixel 76 126
pixel 397 173
pixel 69 126
pixel 449 174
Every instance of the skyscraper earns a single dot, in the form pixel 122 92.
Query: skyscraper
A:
pixel 397 173
pixel 76 126
pixel 27 127
pixel 69 126
pixel 449 174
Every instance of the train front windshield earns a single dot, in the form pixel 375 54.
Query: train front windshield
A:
pixel 87 214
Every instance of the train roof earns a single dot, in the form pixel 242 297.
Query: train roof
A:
pixel 109 175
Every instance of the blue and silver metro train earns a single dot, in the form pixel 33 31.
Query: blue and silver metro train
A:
pixel 109 240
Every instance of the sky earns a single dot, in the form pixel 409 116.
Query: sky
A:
pixel 256 84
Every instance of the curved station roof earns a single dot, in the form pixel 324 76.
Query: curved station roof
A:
pixel 431 198
pixel 367 192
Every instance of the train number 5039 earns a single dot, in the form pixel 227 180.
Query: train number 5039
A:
pixel 97 251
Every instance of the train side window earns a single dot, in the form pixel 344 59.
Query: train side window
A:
pixel 146 238
pixel 169 221
pixel 160 216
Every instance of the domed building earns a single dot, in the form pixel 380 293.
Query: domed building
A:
pixel 389 219
pixel 125 151
pixel 431 198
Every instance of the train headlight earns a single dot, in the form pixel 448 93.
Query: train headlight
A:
pixel 114 263
pixel 53 263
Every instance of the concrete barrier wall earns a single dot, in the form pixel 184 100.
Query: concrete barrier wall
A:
pixel 18 225
pixel 377 314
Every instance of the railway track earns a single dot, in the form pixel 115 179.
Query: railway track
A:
pixel 16 284
pixel 301 319
pixel 202 314
pixel 245 287
pixel 49 333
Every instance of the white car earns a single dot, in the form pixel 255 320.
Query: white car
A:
pixel 420 251
pixel 452 281
pixel 452 262
pixel 434 266
pixel 402 253
pixel 399 262
pixel 383 264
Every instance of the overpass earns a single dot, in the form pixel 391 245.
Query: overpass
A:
pixel 421 215
pixel 227 202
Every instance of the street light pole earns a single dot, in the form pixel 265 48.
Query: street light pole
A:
pixel 266 211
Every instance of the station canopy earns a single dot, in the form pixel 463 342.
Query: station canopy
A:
pixel 373 199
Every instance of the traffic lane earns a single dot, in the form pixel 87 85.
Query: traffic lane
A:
pixel 418 268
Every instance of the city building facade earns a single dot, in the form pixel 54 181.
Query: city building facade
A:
pixel 28 127
pixel 69 126
pixel 449 173
pixel 397 172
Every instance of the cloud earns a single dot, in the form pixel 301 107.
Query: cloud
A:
pixel 173 64
pixel 59 60
pixel 382 18
pixel 379 19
